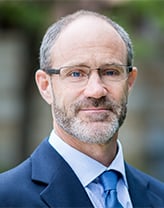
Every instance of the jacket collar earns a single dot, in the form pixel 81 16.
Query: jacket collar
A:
pixel 62 187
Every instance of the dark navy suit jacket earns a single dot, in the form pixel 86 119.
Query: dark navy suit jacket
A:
pixel 46 180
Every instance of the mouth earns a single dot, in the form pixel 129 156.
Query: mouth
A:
pixel 96 114
pixel 96 110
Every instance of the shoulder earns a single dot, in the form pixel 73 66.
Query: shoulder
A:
pixel 17 175
pixel 17 187
pixel 22 172
pixel 22 169
pixel 12 183
pixel 143 178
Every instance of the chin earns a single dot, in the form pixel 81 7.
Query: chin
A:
pixel 95 133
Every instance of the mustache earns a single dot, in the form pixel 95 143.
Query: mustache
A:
pixel 109 104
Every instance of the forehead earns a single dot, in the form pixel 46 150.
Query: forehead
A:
pixel 88 38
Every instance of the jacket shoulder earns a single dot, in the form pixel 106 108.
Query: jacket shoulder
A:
pixel 17 188
pixel 151 183
pixel 16 173
pixel 11 183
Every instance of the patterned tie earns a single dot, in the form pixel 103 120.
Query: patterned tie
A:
pixel 109 181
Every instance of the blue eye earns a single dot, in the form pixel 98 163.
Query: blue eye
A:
pixel 76 74
pixel 112 73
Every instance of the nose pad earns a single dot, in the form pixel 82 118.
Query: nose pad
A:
pixel 95 87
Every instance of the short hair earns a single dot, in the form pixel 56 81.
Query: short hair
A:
pixel 56 29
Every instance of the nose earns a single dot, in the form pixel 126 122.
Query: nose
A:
pixel 95 88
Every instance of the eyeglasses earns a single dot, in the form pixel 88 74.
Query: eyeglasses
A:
pixel 79 75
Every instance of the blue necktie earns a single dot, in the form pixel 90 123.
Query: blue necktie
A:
pixel 109 181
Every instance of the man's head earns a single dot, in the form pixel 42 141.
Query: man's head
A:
pixel 87 104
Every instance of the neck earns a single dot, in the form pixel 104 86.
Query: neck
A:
pixel 103 153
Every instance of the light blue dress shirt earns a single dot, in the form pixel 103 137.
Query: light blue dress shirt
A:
pixel 87 170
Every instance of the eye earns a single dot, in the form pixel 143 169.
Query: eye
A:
pixel 111 72
pixel 75 73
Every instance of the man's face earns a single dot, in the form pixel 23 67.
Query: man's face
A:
pixel 92 113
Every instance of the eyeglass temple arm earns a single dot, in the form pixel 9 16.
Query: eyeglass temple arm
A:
pixel 52 71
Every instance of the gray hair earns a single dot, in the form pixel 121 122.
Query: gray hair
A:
pixel 55 30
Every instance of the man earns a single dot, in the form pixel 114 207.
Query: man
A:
pixel 86 73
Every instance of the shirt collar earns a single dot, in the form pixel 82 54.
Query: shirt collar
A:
pixel 81 163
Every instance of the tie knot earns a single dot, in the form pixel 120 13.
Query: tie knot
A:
pixel 109 180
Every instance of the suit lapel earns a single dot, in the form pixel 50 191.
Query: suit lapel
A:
pixel 139 191
pixel 65 190
pixel 62 187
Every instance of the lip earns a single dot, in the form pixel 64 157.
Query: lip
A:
pixel 92 114
pixel 98 110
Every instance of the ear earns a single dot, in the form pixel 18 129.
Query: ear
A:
pixel 43 82
pixel 131 79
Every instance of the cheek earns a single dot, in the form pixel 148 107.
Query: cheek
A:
pixel 119 91
pixel 65 96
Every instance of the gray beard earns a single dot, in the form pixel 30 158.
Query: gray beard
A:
pixel 99 130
